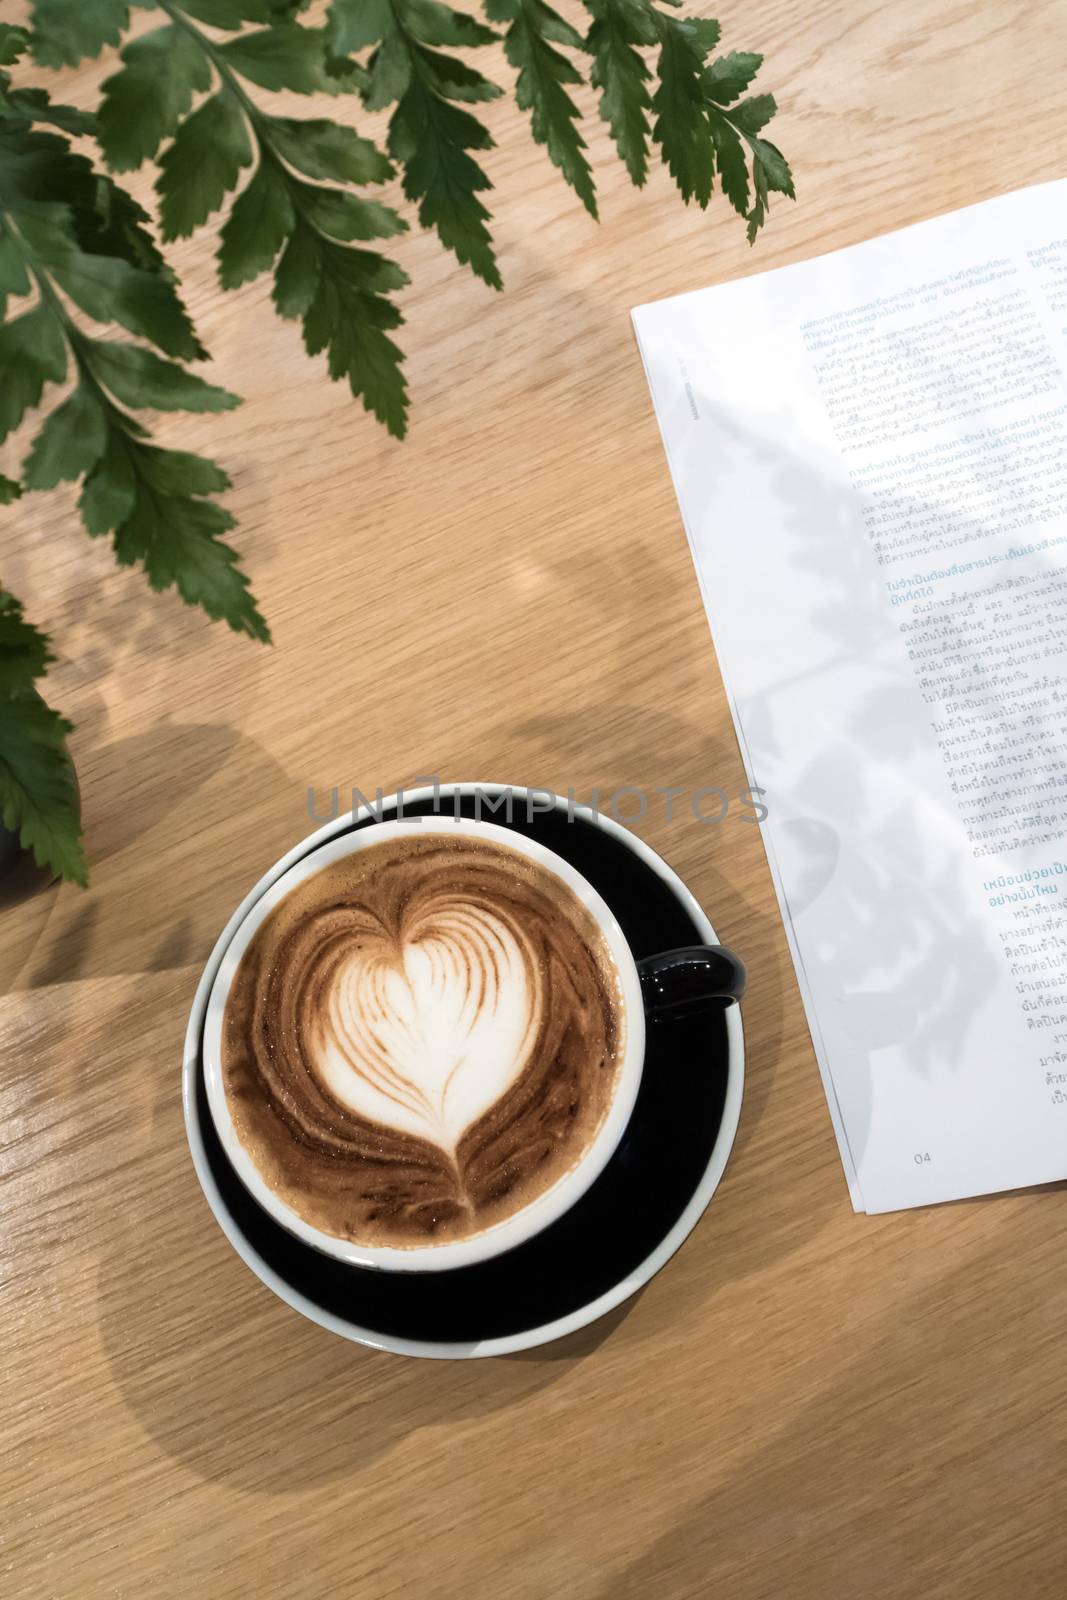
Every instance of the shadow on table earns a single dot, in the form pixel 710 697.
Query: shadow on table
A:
pixel 938 1424
pixel 240 1389
pixel 133 785
pixel 178 788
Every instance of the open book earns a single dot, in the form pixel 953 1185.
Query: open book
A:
pixel 870 451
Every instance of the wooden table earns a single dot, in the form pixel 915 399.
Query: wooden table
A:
pixel 805 1403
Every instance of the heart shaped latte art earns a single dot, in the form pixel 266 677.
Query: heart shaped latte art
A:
pixel 421 1039
pixel 425 1034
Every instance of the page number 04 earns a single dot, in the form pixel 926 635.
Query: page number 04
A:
pixel 921 1158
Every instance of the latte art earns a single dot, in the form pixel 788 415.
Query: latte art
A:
pixel 421 1039
pixel 424 1030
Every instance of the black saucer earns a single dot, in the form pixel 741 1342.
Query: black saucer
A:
pixel 621 1221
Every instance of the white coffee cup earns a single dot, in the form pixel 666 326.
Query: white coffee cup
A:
pixel 550 1205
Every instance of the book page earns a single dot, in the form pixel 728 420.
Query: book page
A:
pixel 870 452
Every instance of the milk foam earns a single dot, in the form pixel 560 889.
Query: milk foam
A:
pixel 426 1037
pixel 421 1039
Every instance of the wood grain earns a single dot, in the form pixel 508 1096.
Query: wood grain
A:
pixel 805 1403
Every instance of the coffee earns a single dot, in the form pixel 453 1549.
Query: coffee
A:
pixel 421 1039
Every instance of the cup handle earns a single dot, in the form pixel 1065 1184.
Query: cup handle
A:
pixel 677 979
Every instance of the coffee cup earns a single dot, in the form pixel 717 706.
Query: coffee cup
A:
pixel 642 990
